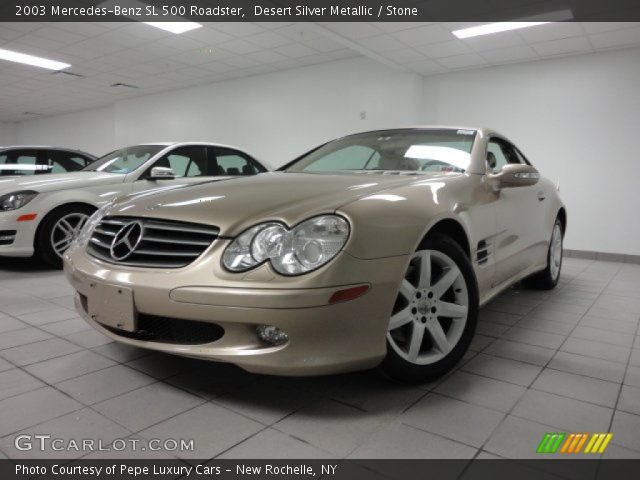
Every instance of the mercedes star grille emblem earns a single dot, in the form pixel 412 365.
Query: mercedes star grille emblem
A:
pixel 126 240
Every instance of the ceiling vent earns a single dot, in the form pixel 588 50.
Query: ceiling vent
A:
pixel 123 85
pixel 67 74
pixel 31 114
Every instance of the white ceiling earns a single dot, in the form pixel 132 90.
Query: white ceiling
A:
pixel 154 60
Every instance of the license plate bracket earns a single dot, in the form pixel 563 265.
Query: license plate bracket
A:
pixel 112 306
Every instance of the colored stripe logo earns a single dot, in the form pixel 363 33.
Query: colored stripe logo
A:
pixel 560 442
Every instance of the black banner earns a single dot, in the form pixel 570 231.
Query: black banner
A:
pixel 317 10
pixel 493 469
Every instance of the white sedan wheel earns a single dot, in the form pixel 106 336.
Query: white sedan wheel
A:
pixel 65 230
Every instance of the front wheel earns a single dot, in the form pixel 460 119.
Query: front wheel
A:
pixel 57 230
pixel 435 314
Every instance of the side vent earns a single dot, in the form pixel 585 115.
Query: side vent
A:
pixel 483 252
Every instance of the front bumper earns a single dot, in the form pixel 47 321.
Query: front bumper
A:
pixel 20 243
pixel 323 338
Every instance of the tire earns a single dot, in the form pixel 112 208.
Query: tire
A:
pixel 548 278
pixel 51 239
pixel 435 314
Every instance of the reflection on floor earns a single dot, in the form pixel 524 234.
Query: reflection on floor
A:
pixel 560 361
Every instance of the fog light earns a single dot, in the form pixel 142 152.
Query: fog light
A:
pixel 272 335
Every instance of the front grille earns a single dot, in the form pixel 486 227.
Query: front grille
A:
pixel 7 237
pixel 171 330
pixel 163 244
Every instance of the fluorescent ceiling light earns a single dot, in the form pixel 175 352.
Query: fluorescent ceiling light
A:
pixel 493 28
pixel 31 60
pixel 175 27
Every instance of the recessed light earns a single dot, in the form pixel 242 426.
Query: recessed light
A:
pixel 175 27
pixel 31 60
pixel 494 28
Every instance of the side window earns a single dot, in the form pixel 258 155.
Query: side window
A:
pixel 500 153
pixel 60 161
pixel 189 161
pixel 233 162
pixel 20 162
pixel 353 157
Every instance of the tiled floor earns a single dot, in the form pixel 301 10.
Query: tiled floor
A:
pixel 566 360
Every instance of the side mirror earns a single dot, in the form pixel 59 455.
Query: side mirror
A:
pixel 515 175
pixel 161 173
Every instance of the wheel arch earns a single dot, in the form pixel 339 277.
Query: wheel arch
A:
pixel 562 216
pixel 452 229
pixel 56 208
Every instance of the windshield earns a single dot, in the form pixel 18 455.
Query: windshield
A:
pixel 125 160
pixel 413 150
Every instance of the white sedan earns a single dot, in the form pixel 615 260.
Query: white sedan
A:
pixel 42 215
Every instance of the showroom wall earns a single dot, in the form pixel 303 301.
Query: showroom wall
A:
pixel 577 119
pixel 277 116
pixel 90 130
pixel 7 133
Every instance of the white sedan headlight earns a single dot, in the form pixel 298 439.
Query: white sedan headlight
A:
pixel 294 251
pixel 16 200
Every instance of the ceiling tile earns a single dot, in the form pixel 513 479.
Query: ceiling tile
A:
pixel 43 44
pixel 551 31
pixel 322 44
pixel 466 60
pixel 240 47
pixel 381 43
pixel 353 30
pixel 563 46
pixel 8 34
pixel 238 29
pixel 597 27
pixel 208 35
pixel 423 35
pixel 510 54
pixel 268 39
pixel 82 28
pixel 179 42
pixel 143 31
pixel 295 50
pixel 390 27
pixel 242 61
pixel 404 56
pixel 59 35
pixel 444 49
pixel 617 38
pixel 266 56
pixel 496 40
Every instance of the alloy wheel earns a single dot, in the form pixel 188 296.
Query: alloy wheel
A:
pixel 65 231
pixel 555 252
pixel 431 310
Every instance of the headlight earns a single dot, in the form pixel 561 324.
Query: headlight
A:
pixel 295 251
pixel 15 200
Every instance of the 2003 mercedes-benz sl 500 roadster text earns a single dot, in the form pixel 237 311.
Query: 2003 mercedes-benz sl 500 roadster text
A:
pixel 374 249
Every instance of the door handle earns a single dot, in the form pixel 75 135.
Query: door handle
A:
pixel 541 196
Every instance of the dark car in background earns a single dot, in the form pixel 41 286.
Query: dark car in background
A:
pixel 38 160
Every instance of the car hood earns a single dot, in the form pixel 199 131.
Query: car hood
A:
pixel 58 181
pixel 238 203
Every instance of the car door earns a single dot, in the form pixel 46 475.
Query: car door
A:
pixel 519 212
pixel 189 163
